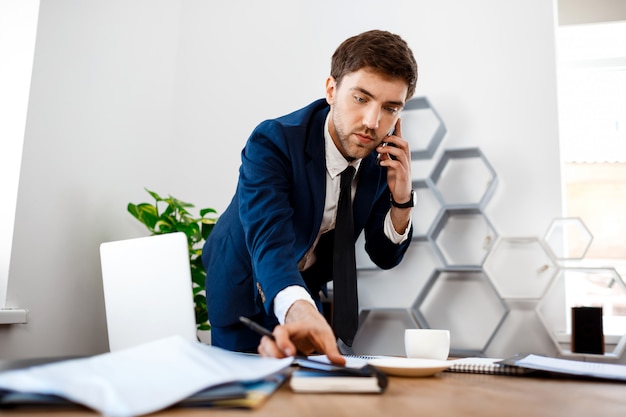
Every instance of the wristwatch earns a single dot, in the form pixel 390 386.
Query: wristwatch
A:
pixel 410 203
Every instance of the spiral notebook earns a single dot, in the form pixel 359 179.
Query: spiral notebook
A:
pixel 490 366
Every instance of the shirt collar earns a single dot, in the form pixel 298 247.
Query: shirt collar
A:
pixel 335 162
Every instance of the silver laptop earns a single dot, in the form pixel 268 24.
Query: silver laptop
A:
pixel 147 289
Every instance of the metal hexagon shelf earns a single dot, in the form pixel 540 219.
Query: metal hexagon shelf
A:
pixel 464 177
pixel 521 320
pixel 422 127
pixel 381 331
pixel 463 237
pixel 481 273
pixel 427 207
pixel 569 238
pixel 585 286
pixel 520 267
pixel 450 300
pixel 398 287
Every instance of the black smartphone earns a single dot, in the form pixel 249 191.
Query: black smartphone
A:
pixel 391 132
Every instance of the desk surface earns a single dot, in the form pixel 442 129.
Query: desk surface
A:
pixel 446 394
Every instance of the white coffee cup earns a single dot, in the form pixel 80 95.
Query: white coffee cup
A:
pixel 427 343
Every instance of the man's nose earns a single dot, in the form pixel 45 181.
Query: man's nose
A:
pixel 371 118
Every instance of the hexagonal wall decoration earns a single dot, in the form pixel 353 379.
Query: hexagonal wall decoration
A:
pixel 427 207
pixel 585 286
pixel 569 238
pixel 398 287
pixel 459 275
pixel 464 302
pixel 422 127
pixel 463 237
pixel 381 331
pixel 521 320
pixel 520 267
pixel 464 177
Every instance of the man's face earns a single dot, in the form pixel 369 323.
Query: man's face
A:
pixel 364 109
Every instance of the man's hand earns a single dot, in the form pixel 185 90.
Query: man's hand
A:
pixel 305 331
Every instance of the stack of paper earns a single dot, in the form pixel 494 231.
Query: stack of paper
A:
pixel 142 379
pixel 608 371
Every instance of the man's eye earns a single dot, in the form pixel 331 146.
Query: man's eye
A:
pixel 391 110
pixel 359 99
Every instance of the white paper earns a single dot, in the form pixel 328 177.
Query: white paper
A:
pixel 141 379
pixel 352 361
pixel 571 367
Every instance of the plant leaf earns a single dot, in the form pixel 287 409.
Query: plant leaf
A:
pixel 207 210
pixel 154 195
pixel 145 213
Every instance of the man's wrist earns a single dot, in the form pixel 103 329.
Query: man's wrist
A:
pixel 394 235
pixel 285 299
pixel 408 204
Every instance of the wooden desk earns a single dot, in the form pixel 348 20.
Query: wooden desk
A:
pixel 447 394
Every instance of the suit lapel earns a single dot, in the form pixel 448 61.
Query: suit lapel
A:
pixel 316 168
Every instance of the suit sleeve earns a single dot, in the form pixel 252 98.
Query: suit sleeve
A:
pixel 266 207
pixel 381 250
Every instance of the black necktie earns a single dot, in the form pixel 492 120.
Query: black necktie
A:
pixel 345 299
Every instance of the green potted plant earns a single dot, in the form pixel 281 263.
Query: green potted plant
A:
pixel 168 215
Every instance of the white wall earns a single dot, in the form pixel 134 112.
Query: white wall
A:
pixel 163 94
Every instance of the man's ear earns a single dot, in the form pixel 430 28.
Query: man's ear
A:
pixel 331 90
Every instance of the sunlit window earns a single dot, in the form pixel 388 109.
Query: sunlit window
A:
pixel 18 27
pixel 592 113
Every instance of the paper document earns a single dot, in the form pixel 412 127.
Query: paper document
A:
pixel 352 361
pixel 141 379
pixel 571 367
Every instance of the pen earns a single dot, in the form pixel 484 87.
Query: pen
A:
pixel 302 359
pixel 256 327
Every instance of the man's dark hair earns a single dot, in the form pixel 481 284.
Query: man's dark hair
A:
pixel 379 50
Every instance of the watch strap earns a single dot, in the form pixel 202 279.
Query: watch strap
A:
pixel 410 203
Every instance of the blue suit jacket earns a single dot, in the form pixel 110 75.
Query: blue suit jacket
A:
pixel 276 213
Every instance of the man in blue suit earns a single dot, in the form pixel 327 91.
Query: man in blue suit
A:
pixel 267 258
